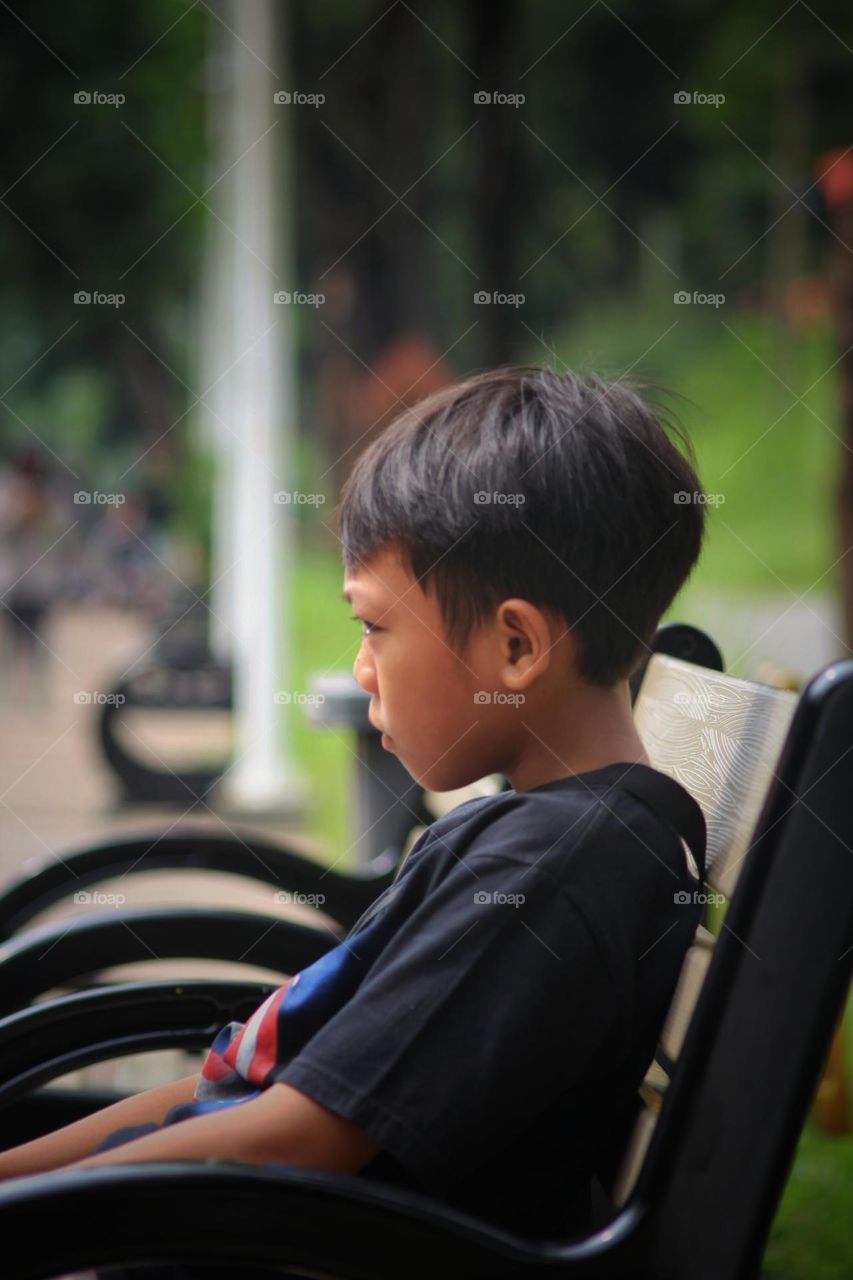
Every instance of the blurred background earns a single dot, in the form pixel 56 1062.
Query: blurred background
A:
pixel 236 238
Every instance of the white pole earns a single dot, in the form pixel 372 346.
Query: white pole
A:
pixel 263 779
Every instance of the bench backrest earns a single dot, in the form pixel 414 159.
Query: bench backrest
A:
pixel 721 738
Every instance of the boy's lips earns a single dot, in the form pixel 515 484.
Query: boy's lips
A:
pixel 387 740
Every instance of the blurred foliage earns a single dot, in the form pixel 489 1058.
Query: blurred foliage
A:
pixel 601 194
pixel 100 198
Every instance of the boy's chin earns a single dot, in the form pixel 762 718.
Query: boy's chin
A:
pixel 442 780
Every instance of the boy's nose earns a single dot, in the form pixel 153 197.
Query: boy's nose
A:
pixel 364 674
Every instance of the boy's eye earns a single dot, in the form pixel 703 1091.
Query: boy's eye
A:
pixel 369 627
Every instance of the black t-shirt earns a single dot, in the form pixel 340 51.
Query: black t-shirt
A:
pixel 490 1017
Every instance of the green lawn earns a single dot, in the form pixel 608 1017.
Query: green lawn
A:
pixel 773 460
pixel 812 1238
pixel 324 641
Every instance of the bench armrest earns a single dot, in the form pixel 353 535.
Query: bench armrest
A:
pixel 49 1039
pixel 336 1224
pixel 344 895
pixel 60 954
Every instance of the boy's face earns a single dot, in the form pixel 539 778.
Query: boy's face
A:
pixel 424 694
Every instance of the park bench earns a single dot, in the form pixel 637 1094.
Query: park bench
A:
pixel 743 1046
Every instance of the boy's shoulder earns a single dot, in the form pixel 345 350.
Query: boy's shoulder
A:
pixel 620 821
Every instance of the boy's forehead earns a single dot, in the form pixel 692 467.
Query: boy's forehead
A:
pixel 382 579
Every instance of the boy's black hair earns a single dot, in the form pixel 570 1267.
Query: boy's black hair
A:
pixel 590 509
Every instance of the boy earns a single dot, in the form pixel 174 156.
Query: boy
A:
pixel 509 545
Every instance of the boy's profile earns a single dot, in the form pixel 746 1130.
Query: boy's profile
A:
pixel 510 545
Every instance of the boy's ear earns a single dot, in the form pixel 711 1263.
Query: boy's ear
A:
pixel 529 638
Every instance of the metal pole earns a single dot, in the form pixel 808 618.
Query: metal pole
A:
pixel 263 779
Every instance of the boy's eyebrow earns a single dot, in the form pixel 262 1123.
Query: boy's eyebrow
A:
pixel 347 595
pixel 367 601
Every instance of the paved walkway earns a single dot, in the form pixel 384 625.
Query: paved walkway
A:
pixel 57 794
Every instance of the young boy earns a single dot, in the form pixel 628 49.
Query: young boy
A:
pixel 509 545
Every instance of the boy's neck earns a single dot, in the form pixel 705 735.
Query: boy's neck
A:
pixel 596 728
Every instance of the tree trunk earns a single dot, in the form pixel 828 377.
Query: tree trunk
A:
pixel 495 227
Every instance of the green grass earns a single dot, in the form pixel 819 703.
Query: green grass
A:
pixel 324 640
pixel 812 1234
pixel 772 459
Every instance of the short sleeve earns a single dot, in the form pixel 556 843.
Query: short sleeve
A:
pixel 491 999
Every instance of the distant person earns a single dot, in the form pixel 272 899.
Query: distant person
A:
pixel 123 565
pixel 33 560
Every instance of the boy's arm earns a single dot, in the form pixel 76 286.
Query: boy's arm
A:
pixel 74 1140
pixel 282 1125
